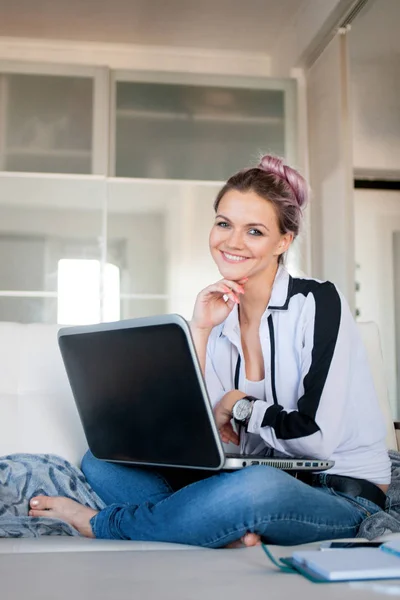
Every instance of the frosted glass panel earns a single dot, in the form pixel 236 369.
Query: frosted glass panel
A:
pixel 134 308
pixel 194 132
pixel 42 221
pixel 21 260
pixel 28 310
pixel 48 123
pixel 136 240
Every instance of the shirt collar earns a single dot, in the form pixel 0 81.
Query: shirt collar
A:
pixel 279 300
pixel 280 294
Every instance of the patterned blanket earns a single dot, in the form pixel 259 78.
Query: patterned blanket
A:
pixel 23 476
pixel 387 521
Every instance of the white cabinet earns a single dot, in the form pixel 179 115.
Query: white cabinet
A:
pixel 116 173
pixel 88 120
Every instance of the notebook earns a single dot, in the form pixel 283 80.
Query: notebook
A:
pixel 349 564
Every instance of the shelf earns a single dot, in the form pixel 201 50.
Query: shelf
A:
pixel 201 118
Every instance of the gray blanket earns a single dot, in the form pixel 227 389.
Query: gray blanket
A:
pixel 387 521
pixel 23 476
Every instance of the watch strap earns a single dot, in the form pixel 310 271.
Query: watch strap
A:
pixel 251 398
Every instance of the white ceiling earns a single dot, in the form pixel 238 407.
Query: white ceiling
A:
pixel 235 25
pixel 232 25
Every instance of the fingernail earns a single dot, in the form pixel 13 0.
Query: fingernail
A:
pixel 34 502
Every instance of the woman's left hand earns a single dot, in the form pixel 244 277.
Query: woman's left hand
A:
pixel 223 416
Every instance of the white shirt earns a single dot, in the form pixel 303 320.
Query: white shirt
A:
pixel 319 400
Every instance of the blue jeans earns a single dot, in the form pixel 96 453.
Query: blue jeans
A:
pixel 217 510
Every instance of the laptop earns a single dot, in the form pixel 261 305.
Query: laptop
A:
pixel 142 399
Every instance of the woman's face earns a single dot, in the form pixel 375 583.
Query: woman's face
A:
pixel 245 239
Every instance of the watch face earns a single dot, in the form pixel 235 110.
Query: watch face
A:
pixel 241 410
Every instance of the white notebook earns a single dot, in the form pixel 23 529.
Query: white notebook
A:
pixel 352 563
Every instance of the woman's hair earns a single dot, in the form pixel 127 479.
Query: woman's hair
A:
pixel 278 183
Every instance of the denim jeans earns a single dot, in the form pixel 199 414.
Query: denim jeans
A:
pixel 219 509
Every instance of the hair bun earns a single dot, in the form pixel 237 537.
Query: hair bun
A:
pixel 275 166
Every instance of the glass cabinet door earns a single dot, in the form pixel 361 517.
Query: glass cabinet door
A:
pixel 199 131
pixel 47 120
pixel 52 248
pixel 136 245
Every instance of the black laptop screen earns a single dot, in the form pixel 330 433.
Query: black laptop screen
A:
pixel 138 396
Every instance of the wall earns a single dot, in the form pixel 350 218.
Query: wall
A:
pixel 377 218
pixel 331 207
pixel 396 270
pixel 376 116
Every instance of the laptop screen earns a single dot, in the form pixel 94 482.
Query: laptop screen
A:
pixel 138 396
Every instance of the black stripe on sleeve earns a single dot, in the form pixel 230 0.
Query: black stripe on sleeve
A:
pixel 328 311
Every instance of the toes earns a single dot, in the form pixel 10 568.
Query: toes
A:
pixel 251 539
pixel 41 502
pixel 237 544
pixel 38 513
pixel 248 540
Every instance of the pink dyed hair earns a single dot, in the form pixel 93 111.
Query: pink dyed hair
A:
pixel 279 184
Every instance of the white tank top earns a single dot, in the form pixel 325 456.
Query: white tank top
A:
pixel 255 388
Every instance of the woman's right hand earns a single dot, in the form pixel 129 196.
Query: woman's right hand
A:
pixel 211 308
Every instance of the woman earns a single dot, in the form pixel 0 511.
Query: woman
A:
pixel 283 357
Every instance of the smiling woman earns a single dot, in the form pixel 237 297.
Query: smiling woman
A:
pixel 282 357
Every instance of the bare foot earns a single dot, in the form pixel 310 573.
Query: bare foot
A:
pixel 66 510
pixel 248 540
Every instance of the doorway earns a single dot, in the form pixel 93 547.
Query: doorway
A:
pixel 377 252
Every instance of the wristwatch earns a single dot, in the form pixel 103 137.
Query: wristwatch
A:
pixel 242 409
